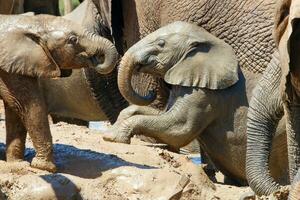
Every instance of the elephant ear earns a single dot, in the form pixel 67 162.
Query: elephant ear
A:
pixel 26 54
pixel 209 63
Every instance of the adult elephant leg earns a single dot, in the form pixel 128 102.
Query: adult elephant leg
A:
pixel 15 135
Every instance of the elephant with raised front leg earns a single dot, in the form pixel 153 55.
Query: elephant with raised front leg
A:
pixel 276 95
pixel 208 97
pixel 35 47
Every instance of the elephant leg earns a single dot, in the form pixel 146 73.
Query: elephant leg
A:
pixel 176 127
pixel 22 95
pixel 36 122
pixel 136 110
pixel 15 135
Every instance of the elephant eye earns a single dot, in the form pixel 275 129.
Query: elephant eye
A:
pixel 73 39
pixel 161 43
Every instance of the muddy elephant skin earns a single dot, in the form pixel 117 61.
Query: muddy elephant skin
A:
pixel 128 21
pixel 277 94
pixel 35 47
pixel 86 94
pixel 208 100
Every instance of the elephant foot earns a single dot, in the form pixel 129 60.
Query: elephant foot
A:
pixel 114 136
pixel 43 164
pixel 10 158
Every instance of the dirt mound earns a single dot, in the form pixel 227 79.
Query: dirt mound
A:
pixel 90 168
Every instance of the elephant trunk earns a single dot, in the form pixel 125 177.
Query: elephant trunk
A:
pixel 128 65
pixel 103 46
pixel 259 137
pixel 264 113
pixel 293 138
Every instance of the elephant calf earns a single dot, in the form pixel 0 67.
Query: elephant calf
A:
pixel 208 97
pixel 33 47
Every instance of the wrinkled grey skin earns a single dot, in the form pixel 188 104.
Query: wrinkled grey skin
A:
pixel 34 47
pixel 251 41
pixel 277 94
pixel 214 114
pixel 86 94
pixel 133 20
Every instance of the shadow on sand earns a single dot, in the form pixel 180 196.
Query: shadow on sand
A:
pixel 83 163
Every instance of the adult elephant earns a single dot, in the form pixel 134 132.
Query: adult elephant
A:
pixel 277 94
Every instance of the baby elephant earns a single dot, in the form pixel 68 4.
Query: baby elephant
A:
pixel 195 64
pixel 208 99
pixel 33 47
pixel 192 61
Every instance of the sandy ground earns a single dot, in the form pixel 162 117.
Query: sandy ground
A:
pixel 90 168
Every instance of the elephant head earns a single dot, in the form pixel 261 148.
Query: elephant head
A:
pixel 47 44
pixel 287 35
pixel 181 54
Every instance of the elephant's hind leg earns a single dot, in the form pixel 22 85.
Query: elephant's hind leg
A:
pixel 15 135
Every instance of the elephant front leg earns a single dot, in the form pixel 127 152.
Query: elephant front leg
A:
pixel 136 110
pixel 177 127
pixel 15 135
pixel 36 122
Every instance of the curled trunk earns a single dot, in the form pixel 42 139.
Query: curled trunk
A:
pixel 103 46
pixel 127 67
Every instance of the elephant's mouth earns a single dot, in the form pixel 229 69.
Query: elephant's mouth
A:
pixel 64 73
pixel 153 67
pixel 146 64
